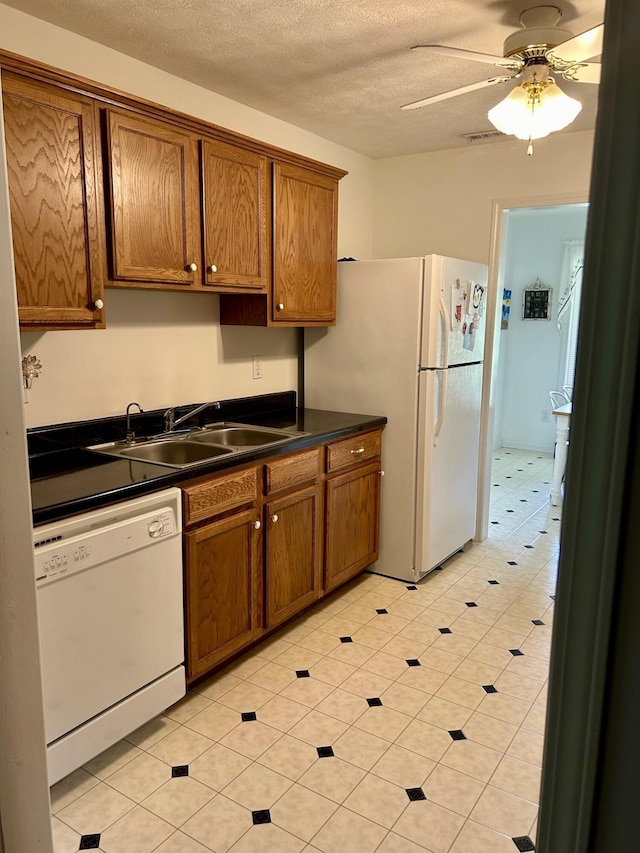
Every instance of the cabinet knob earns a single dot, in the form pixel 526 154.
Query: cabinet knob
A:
pixel 193 267
pixel 382 473
pixel 280 306
pixel 359 450
pixel 274 518
pixel 98 304
pixel 213 268
pixel 257 525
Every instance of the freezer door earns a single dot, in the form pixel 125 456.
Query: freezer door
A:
pixel 448 451
pixel 451 337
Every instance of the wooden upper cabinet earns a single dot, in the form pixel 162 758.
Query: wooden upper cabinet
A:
pixel 234 210
pixel 154 202
pixel 305 220
pixel 52 162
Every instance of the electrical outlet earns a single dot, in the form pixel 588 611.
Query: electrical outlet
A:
pixel 257 367
pixel 546 416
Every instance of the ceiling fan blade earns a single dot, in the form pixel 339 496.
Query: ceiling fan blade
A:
pixel 443 96
pixel 579 48
pixel 589 73
pixel 468 54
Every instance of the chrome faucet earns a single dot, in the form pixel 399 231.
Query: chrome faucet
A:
pixel 130 437
pixel 170 422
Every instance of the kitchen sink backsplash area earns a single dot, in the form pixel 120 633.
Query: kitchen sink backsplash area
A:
pixel 88 433
pixel 159 349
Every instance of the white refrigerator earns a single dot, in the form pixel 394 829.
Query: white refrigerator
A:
pixel 409 344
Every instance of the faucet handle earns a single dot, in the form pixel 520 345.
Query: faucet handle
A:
pixel 169 418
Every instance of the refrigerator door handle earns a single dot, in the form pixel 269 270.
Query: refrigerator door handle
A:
pixel 442 308
pixel 441 378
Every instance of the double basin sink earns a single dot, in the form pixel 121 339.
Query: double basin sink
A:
pixel 179 450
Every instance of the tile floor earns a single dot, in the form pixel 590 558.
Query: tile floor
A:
pixel 393 717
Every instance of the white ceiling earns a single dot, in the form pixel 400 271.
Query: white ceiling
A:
pixel 338 68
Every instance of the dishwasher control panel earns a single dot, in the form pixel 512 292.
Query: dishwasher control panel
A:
pixel 86 541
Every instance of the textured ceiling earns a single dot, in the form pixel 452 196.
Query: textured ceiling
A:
pixel 338 68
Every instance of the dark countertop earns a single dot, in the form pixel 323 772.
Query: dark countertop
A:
pixel 67 478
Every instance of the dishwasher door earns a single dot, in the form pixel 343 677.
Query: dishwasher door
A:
pixel 110 612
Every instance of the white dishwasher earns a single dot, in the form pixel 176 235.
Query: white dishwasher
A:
pixel 110 614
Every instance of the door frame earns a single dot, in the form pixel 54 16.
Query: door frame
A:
pixel 25 811
pixel 497 250
pixel 589 780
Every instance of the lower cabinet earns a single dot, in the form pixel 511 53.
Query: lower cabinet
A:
pixel 223 595
pixel 353 510
pixel 263 542
pixel 293 578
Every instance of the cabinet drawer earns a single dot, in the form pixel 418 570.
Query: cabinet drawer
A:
pixel 292 471
pixel 214 496
pixel 353 450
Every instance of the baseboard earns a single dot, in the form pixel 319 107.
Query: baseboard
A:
pixel 522 445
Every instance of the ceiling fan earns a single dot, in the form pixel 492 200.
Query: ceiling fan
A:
pixel 536 106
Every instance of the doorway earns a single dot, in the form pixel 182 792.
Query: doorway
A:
pixel 532 356
pixel 535 356
pixel 528 357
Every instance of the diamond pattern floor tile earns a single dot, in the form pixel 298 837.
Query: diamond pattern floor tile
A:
pixel 349 711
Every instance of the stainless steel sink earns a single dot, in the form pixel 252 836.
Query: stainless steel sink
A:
pixel 176 453
pixel 197 446
pixel 240 436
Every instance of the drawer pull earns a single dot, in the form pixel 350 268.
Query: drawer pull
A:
pixel 274 518
pixel 257 525
pixel 359 450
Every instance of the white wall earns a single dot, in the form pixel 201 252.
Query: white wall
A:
pixel 530 349
pixel 442 201
pixel 169 348
pixel 158 349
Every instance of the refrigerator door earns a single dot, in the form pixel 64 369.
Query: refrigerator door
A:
pixel 448 448
pixel 453 336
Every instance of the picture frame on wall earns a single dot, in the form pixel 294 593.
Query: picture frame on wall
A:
pixel 506 308
pixel 536 301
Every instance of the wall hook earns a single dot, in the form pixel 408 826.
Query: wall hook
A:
pixel 31 368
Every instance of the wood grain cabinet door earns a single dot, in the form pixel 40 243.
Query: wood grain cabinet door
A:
pixel 154 195
pixel 234 205
pixel 223 590
pixel 352 523
pixel 57 243
pixel 305 219
pixel 293 554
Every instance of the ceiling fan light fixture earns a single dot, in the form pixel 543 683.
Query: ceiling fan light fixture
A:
pixel 534 109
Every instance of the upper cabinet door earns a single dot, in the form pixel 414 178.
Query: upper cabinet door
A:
pixel 57 242
pixel 234 205
pixel 155 223
pixel 304 246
